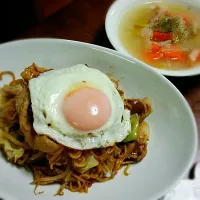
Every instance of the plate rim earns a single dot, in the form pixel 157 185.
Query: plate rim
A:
pixel 152 70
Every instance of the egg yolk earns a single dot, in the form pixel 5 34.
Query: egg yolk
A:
pixel 86 109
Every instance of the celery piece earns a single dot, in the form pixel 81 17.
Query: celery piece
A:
pixel 134 128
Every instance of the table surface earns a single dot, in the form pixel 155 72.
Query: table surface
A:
pixel 85 21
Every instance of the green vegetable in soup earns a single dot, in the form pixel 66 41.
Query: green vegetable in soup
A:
pixel 177 25
pixel 179 29
pixel 141 25
pixel 134 128
pixel 163 24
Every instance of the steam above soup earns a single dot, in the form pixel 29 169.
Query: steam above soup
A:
pixel 164 35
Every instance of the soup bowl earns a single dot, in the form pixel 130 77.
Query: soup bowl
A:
pixel 113 17
pixel 173 133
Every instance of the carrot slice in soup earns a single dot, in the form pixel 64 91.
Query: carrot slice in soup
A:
pixel 198 58
pixel 158 36
pixel 185 18
pixel 175 55
pixel 152 56
pixel 155 48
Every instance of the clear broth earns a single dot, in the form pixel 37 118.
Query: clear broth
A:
pixel 134 43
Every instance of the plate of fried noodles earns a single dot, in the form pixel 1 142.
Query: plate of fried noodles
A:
pixel 78 121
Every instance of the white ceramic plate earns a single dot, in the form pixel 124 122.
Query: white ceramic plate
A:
pixel 113 17
pixel 173 140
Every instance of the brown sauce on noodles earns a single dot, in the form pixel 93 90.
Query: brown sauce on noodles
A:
pixel 52 162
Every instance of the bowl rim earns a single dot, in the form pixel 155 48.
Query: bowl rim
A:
pixel 119 47
pixel 127 58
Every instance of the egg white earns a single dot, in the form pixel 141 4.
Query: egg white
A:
pixel 47 94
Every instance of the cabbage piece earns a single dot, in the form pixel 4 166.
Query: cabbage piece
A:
pixel 143 133
pixel 90 161
pixel 13 153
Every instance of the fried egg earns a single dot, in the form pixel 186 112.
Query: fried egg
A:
pixel 78 107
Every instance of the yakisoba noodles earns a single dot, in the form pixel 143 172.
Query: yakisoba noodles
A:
pixel 51 162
